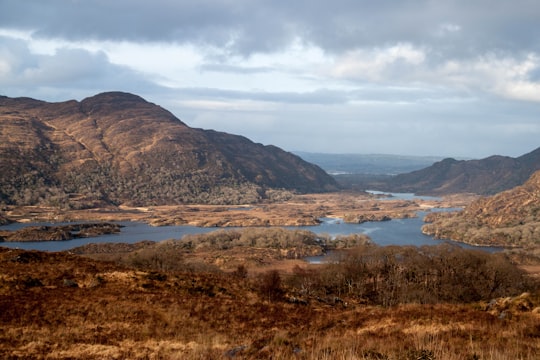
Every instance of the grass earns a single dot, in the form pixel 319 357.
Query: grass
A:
pixel 119 312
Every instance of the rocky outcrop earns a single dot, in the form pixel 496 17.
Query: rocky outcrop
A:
pixel 117 148
pixel 510 218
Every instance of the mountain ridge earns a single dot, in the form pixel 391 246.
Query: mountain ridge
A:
pixel 116 148
pixel 484 176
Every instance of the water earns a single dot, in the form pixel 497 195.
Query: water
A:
pixel 132 232
pixel 393 232
pixel 402 196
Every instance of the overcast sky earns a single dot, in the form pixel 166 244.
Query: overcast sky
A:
pixel 415 77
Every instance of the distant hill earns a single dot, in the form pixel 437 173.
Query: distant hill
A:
pixel 485 176
pixel 509 218
pixel 118 148
pixel 372 164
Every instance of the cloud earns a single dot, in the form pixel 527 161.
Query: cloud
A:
pixel 405 76
pixel 375 64
pixel 75 71
pixel 247 27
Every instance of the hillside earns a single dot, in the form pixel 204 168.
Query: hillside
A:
pixel 116 148
pixel 486 176
pixel 167 301
pixel 510 218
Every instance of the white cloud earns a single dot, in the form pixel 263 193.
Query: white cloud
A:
pixel 507 77
pixel 374 64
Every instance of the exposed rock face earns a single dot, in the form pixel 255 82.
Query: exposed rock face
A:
pixel 486 176
pixel 118 148
pixel 510 218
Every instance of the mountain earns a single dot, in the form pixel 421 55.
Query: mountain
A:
pixel 485 176
pixel 376 164
pixel 118 148
pixel 509 218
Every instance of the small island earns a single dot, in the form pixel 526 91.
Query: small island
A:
pixel 60 232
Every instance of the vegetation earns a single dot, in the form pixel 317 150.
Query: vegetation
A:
pixel 450 226
pixel 59 232
pixel 224 249
pixel 60 306
pixel 355 268
pixel 509 219
pixel 129 151
pixel 394 275
pixel 99 185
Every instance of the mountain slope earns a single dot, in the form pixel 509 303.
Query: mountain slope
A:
pixel 117 148
pixel 509 218
pixel 485 176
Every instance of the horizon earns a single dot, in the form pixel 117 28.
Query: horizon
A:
pixel 347 77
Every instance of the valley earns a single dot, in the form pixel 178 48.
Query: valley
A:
pixel 244 289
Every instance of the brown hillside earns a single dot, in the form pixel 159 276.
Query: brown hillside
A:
pixel 510 218
pixel 63 306
pixel 117 148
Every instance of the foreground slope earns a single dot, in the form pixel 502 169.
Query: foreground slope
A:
pixel 510 218
pixel 117 148
pixel 62 306
pixel 484 176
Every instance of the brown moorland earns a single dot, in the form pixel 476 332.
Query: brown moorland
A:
pixel 369 303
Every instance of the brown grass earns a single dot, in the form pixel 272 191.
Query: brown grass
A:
pixel 116 312
pixel 298 210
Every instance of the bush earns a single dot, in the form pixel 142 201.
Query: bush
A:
pixel 392 275
pixel 270 285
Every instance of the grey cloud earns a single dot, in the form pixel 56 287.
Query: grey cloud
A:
pixel 264 26
pixel 74 71
pixel 404 107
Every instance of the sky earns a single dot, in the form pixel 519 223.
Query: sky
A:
pixel 457 78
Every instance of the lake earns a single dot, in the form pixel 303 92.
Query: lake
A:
pixel 393 232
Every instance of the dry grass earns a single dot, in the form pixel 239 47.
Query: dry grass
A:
pixel 120 313
pixel 298 210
